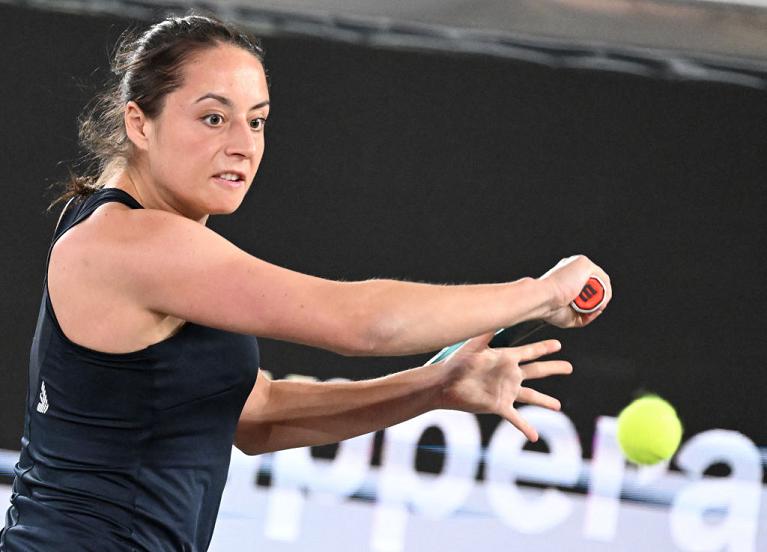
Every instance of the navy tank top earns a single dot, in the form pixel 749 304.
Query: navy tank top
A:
pixel 125 451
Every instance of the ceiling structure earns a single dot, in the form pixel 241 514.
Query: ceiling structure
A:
pixel 688 39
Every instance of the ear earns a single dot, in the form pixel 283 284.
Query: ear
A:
pixel 138 127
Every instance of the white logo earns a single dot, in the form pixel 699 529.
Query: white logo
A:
pixel 42 406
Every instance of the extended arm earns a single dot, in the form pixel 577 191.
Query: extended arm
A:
pixel 174 266
pixel 287 414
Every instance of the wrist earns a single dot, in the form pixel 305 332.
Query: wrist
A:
pixel 439 379
pixel 542 297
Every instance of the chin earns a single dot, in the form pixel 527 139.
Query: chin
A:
pixel 225 207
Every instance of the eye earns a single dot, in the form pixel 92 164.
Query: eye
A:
pixel 258 124
pixel 213 119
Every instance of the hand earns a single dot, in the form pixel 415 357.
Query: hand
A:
pixel 566 281
pixel 484 380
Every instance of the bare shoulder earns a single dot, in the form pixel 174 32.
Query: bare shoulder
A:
pixel 119 223
pixel 152 266
pixel 133 253
pixel 90 278
pixel 116 237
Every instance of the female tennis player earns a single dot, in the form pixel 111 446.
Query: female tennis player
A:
pixel 144 367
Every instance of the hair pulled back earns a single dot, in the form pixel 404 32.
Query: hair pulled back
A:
pixel 146 67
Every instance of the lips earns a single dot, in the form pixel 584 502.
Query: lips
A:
pixel 240 175
pixel 228 182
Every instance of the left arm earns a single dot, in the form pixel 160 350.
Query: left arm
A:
pixel 287 414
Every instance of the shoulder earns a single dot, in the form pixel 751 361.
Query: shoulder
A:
pixel 95 273
pixel 120 248
pixel 114 228
pixel 148 261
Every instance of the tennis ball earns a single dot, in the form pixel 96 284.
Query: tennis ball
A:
pixel 649 430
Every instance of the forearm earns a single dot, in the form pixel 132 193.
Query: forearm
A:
pixel 410 318
pixel 289 414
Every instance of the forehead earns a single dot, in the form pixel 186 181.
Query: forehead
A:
pixel 227 70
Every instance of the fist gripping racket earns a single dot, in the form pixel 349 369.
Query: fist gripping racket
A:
pixel 589 300
pixel 591 296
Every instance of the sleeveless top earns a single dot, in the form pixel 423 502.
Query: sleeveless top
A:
pixel 125 451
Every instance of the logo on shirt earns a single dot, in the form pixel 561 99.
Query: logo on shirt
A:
pixel 42 406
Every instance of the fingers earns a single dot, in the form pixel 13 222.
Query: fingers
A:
pixel 596 270
pixel 602 275
pixel 537 370
pixel 581 267
pixel 521 424
pixel 532 351
pixel 531 396
pixel 590 268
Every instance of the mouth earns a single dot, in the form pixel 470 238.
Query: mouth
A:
pixel 230 179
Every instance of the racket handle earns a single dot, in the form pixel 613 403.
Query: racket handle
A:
pixel 508 337
pixel 589 300
pixel 591 296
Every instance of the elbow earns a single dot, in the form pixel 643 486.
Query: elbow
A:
pixel 251 445
pixel 371 335
pixel 363 325
pixel 248 451
pixel 244 446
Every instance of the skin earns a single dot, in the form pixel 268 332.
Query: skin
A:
pixel 194 138
pixel 160 266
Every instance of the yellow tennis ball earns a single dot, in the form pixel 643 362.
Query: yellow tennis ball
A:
pixel 649 430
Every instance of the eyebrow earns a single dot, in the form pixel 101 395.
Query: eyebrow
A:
pixel 226 101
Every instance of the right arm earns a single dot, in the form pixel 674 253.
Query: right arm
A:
pixel 174 266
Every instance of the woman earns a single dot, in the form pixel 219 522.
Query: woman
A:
pixel 144 368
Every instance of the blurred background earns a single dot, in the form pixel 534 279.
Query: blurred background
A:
pixel 458 142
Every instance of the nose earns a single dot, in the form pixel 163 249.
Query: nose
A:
pixel 242 140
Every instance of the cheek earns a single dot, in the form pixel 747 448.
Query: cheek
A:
pixel 184 153
pixel 186 143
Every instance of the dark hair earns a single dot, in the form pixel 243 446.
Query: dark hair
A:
pixel 146 67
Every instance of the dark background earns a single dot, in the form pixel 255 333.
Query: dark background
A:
pixel 453 168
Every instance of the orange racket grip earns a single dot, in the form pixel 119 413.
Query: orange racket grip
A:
pixel 591 296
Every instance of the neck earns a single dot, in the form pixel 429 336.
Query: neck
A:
pixel 124 176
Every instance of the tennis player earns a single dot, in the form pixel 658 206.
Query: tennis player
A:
pixel 144 368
